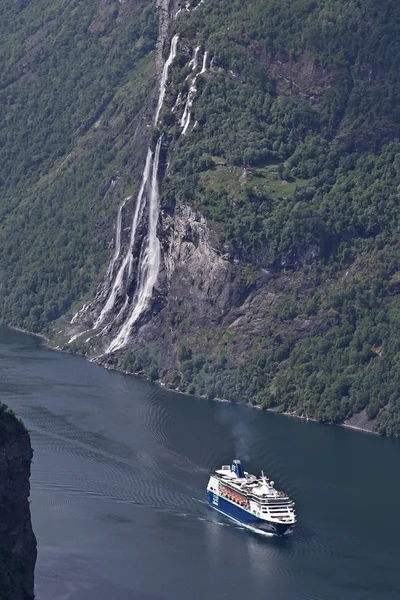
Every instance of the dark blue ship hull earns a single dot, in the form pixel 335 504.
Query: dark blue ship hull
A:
pixel 241 515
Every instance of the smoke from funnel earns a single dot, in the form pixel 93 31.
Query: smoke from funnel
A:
pixel 242 436
pixel 240 431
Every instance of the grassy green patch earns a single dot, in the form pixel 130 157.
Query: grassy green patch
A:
pixel 237 180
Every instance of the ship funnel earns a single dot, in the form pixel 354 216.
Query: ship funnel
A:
pixel 237 468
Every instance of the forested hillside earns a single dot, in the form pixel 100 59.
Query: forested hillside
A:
pixel 74 79
pixel 306 93
pixel 291 156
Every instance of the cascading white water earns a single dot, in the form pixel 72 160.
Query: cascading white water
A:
pixel 185 120
pixel 204 67
pixel 164 76
pixel 117 251
pixel 110 270
pixel 149 259
pixel 195 60
pixel 177 102
pixel 149 262
pixel 128 258
pixel 118 236
pixel 80 312
pixel 77 335
pixel 199 4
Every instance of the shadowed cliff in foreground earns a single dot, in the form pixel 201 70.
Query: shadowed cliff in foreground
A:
pixel 17 540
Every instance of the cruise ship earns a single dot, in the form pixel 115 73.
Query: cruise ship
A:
pixel 251 501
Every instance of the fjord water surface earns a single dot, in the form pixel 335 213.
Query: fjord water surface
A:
pixel 118 503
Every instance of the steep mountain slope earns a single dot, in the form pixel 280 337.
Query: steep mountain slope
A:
pixel 256 258
pixel 75 81
pixel 17 541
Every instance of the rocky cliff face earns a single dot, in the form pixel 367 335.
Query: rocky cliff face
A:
pixel 17 541
pixel 204 296
pixel 240 261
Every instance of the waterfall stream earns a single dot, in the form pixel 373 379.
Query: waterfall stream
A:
pixel 168 62
pixel 128 258
pixel 204 67
pixel 150 253
pixel 149 261
pixel 185 120
pixel 117 251
pixel 194 62
pixel 118 282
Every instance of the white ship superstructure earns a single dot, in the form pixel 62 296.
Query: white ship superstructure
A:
pixel 250 500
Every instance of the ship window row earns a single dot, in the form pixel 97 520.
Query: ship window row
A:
pixel 270 502
pixel 283 511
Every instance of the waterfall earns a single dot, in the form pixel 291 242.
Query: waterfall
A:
pixel 117 251
pixel 128 258
pixel 118 236
pixel 204 67
pixel 149 258
pixel 110 269
pixel 195 60
pixel 185 120
pixel 77 335
pixel 177 102
pixel 150 253
pixel 164 76
pixel 80 312
pixel 149 262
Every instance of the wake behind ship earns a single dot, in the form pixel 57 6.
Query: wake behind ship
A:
pixel 251 501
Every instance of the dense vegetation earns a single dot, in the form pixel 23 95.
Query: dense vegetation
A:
pixel 302 94
pixel 320 200
pixel 73 79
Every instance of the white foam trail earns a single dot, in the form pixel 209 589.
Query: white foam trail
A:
pixel 149 263
pixel 75 337
pixel 127 262
pixel 164 76
pixel 195 60
pixel 80 312
pixel 110 269
pixel 177 103
pixel 204 67
pixel 149 259
pixel 117 251
pixel 118 234
pixel 185 120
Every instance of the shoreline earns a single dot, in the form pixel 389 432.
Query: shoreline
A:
pixel 362 429
pixel 160 383
pixel 41 336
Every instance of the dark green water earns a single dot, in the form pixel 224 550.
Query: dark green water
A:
pixel 118 482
